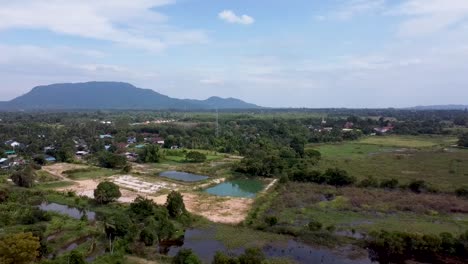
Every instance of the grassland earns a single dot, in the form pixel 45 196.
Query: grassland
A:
pixel 355 212
pixel 90 173
pixel 404 158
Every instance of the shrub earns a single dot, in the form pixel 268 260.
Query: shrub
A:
pixel 186 256
pixel 76 257
pixel 417 186
pixel 4 193
pixel 314 225
pixel 19 248
pixel 24 178
pixel 338 177
pixel 369 182
pixel 271 220
pixel 127 168
pixel 106 192
pixel 111 160
pixel 150 154
pixel 462 192
pixel 148 237
pixel 252 256
pixel 175 204
pixel 195 156
pixel 389 184
pixel 40 160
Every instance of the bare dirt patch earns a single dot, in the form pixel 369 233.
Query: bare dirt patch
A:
pixel 227 210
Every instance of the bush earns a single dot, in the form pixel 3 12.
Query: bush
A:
pixel 463 140
pixel 389 184
pixel 314 225
pixel 195 156
pixel 19 248
pixel 369 182
pixel 148 237
pixel 417 186
pixel 127 168
pixel 398 246
pixel 4 193
pixel 106 192
pixel 24 178
pixel 111 160
pixel 40 160
pixel 76 257
pixel 175 204
pixel 462 192
pixel 271 220
pixel 150 154
pixel 186 256
pixel 252 256
pixel 338 177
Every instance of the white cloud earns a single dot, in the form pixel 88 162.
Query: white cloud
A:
pixel 230 17
pixel 353 8
pixel 132 23
pixel 425 17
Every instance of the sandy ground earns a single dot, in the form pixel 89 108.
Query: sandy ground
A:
pixel 227 210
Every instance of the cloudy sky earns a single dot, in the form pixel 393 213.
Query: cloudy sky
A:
pixel 295 53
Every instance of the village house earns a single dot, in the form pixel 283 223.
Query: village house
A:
pixel 50 159
pixel 12 143
pixel 131 140
pixel 383 130
pixel 105 136
pixel 10 154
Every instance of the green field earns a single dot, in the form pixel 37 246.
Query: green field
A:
pixel 90 173
pixel 409 141
pixel 403 158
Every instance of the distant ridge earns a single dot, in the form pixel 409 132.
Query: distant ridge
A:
pixel 440 107
pixel 111 95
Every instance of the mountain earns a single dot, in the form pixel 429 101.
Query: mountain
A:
pixel 111 95
pixel 440 107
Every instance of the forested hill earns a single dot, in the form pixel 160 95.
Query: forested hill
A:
pixel 111 95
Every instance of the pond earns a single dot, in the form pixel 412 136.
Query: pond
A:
pixel 247 188
pixel 67 210
pixel 204 244
pixel 183 176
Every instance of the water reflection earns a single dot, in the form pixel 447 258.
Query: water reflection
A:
pixel 247 188
pixel 183 176
pixel 67 210
pixel 204 244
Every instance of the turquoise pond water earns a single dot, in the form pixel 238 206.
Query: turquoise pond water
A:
pixel 247 188
pixel 183 176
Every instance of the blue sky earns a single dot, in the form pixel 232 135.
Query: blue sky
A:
pixel 296 53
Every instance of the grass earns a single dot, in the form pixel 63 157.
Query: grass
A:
pixel 408 141
pixel 54 185
pixel 361 210
pixel 405 158
pixel 350 150
pixel 90 173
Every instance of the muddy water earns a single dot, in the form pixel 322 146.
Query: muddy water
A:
pixel 67 210
pixel 183 176
pixel 204 244
pixel 247 188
